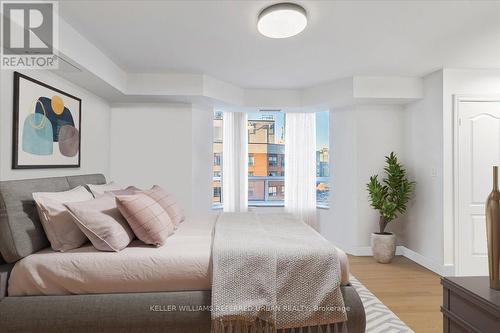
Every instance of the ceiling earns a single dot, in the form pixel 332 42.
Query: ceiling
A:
pixel 343 38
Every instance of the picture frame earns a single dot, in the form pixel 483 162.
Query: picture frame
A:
pixel 46 126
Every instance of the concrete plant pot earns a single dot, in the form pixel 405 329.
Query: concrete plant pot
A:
pixel 383 247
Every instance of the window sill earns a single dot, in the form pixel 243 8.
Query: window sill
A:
pixel 219 207
pixel 264 204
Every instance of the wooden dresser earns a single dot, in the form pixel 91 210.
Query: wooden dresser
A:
pixel 470 306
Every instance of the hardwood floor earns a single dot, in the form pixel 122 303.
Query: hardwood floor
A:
pixel 411 291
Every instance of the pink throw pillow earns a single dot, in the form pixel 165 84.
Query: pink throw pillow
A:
pixel 148 220
pixel 127 191
pixel 102 223
pixel 168 202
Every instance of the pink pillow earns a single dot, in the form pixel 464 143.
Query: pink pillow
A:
pixel 127 191
pixel 102 223
pixel 168 202
pixel 149 221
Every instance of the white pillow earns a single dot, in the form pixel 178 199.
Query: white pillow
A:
pixel 98 190
pixel 59 226
pixel 102 222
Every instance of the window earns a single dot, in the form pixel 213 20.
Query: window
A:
pixel 251 160
pixel 273 191
pixel 217 166
pixel 217 199
pixel 322 158
pixel 272 160
pixel 266 159
pixel 276 192
pixel 217 192
pixel 217 159
pixel 266 145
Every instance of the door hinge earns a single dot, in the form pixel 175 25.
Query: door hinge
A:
pixel 459 121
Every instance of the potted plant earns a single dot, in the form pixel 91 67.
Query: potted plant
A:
pixel 389 198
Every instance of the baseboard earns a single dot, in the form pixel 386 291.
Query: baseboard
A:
pixel 430 264
pixel 366 251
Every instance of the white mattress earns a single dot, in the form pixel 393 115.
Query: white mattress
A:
pixel 183 263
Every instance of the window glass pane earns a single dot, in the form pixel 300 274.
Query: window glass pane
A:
pixel 266 158
pixel 217 164
pixel 251 160
pixel 266 164
pixel 322 158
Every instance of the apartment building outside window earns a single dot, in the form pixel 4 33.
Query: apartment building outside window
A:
pixel 266 159
pixel 322 158
pixel 218 156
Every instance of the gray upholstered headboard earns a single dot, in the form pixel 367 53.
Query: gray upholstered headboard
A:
pixel 21 232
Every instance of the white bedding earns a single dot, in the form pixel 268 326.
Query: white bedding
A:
pixel 183 263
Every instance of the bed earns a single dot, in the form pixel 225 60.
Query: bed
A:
pixel 141 288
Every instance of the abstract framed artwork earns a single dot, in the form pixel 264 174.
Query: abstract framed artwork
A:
pixel 47 126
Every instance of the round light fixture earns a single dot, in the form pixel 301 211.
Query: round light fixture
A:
pixel 282 20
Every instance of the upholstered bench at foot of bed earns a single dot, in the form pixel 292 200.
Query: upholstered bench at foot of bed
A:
pixel 138 312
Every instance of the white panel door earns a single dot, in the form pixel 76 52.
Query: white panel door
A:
pixel 478 151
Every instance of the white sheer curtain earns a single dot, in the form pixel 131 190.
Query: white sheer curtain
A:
pixel 235 162
pixel 300 166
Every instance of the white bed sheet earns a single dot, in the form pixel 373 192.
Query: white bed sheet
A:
pixel 183 263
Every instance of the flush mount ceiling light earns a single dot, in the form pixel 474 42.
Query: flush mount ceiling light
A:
pixel 282 20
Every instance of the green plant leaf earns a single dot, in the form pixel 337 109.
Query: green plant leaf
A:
pixel 390 197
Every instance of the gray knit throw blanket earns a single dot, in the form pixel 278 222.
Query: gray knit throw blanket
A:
pixel 273 272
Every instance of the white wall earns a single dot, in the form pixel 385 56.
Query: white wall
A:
pixel 95 128
pixel 459 82
pixel 165 144
pixel 151 144
pixel 339 223
pixel 380 132
pixel 202 158
pixel 423 226
pixel 361 137
pixel 430 225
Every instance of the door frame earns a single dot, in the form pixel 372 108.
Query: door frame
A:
pixel 457 99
